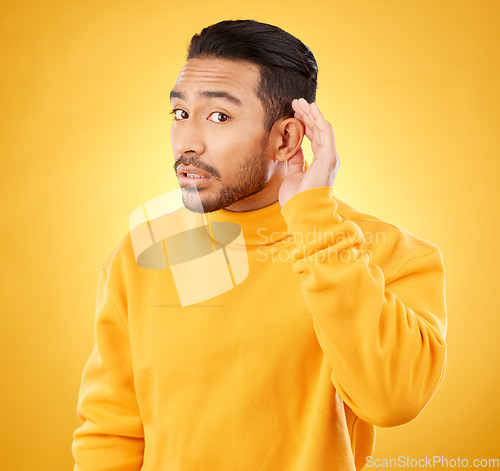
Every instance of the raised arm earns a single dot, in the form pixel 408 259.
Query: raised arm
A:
pixel 383 336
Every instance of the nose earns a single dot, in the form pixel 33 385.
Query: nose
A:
pixel 187 137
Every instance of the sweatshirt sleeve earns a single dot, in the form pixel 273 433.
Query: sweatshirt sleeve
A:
pixel 383 337
pixel 111 437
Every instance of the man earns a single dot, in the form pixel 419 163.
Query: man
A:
pixel 331 331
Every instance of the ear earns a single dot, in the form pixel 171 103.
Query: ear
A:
pixel 287 138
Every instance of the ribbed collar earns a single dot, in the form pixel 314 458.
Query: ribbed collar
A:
pixel 262 226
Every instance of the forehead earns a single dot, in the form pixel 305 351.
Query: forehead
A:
pixel 202 77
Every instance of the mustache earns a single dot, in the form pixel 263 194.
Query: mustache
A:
pixel 197 163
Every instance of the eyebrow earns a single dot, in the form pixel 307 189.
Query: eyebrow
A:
pixel 209 94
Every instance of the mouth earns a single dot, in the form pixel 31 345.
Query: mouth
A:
pixel 190 175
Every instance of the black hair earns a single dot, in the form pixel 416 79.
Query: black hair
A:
pixel 288 68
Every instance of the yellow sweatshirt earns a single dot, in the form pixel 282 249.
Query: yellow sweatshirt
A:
pixel 338 327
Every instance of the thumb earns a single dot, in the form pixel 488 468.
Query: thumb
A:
pixel 296 163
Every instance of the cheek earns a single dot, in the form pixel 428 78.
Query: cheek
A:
pixel 228 154
pixel 172 136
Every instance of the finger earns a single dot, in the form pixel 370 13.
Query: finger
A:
pixel 312 111
pixel 307 125
pixel 312 130
pixel 306 121
pixel 319 118
pixel 302 107
pixel 305 117
pixel 306 111
pixel 320 130
pixel 324 127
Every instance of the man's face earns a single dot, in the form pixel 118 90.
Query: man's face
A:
pixel 220 137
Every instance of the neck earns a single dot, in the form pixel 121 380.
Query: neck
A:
pixel 265 197
pixel 263 226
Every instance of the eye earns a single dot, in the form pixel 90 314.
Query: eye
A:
pixel 180 116
pixel 176 116
pixel 224 117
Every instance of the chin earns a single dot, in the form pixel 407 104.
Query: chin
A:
pixel 195 202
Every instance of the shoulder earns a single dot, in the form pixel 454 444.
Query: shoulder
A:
pixel 121 259
pixel 389 245
pixel 142 247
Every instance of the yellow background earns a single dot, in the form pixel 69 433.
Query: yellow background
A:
pixel 411 89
